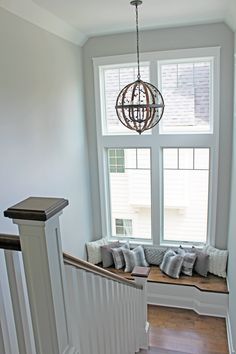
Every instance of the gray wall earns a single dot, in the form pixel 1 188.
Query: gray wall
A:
pixel 166 39
pixel 43 145
pixel 232 230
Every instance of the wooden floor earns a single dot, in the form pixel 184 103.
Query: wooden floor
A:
pixel 177 331
pixel 211 283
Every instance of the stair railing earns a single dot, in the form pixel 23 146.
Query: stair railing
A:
pixel 54 303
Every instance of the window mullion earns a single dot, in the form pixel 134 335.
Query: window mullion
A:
pixel 156 194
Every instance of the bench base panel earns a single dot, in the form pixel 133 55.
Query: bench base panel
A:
pixel 187 297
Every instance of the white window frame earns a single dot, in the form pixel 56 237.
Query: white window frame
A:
pixel 156 141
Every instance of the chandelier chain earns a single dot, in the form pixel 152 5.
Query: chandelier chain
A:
pixel 137 36
pixel 139 105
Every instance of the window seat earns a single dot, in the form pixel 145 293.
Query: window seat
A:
pixel 206 296
pixel 210 284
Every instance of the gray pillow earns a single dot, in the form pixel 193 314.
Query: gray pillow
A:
pixel 154 255
pixel 188 262
pixel 172 264
pixel 107 259
pixel 202 262
pixel 135 257
pixel 118 256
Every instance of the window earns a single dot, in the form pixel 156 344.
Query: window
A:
pixel 124 227
pixel 185 189
pixel 160 187
pixel 187 88
pixel 130 195
pixel 114 79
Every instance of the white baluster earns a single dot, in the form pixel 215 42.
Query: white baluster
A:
pixel 85 313
pixel 116 317
pixel 104 314
pixel 20 302
pixel 124 323
pixel 127 319
pixel 74 319
pixel 8 338
pixel 110 319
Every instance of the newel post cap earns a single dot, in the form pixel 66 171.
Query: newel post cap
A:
pixel 36 208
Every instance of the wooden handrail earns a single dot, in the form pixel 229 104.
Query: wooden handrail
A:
pixel 89 267
pixel 12 242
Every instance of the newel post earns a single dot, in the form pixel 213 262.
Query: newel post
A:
pixel 140 275
pixel 38 222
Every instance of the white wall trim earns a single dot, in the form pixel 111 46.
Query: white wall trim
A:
pixel 229 335
pixel 31 12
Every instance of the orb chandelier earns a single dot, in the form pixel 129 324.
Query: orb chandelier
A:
pixel 139 105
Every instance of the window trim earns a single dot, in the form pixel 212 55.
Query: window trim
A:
pixel 157 141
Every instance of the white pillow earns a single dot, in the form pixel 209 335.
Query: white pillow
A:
pixel 217 261
pixel 94 250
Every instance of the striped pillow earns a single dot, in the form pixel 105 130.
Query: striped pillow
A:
pixel 135 257
pixel 118 256
pixel 188 262
pixel 172 264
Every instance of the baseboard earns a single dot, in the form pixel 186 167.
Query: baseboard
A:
pixel 208 304
pixel 229 335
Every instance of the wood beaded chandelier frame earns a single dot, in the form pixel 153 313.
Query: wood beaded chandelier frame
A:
pixel 139 105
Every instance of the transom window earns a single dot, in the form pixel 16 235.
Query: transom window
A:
pixel 114 79
pixel 160 187
pixel 187 88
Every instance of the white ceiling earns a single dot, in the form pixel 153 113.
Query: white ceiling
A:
pixel 77 20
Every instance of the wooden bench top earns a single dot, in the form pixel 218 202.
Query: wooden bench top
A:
pixel 210 284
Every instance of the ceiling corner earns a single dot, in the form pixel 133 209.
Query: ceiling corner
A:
pixel 42 18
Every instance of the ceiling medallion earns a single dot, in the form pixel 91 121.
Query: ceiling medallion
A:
pixel 139 105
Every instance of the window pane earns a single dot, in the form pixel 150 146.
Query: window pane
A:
pixel 130 158
pixel 202 159
pixel 143 158
pixel 114 80
pixel 130 195
pixel 186 159
pixel 186 88
pixel 170 158
pixel 116 160
pixel 186 202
